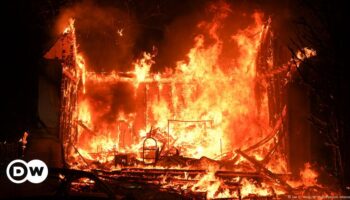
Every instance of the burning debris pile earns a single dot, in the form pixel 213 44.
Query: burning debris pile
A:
pixel 205 128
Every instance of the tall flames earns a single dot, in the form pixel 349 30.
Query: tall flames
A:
pixel 207 111
pixel 205 106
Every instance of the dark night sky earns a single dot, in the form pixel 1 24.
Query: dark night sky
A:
pixel 22 43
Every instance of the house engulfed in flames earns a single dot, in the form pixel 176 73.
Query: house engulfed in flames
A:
pixel 203 127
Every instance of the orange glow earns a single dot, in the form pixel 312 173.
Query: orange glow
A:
pixel 70 28
pixel 250 188
pixel 204 121
pixel 198 108
pixel 206 110
pixel 142 67
pixel 308 177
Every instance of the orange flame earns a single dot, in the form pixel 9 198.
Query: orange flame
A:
pixel 200 109
pixel 199 117
pixel 142 67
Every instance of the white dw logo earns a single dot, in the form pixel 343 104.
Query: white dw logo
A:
pixel 35 171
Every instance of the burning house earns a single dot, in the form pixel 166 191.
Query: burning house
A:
pixel 221 118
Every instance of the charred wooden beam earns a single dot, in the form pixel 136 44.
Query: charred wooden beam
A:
pixel 274 132
pixel 171 173
pixel 70 175
pixel 265 171
pixel 81 124
pixel 81 156
pixel 69 75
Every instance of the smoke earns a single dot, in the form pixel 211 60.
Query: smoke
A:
pixel 111 34
pixel 179 35
pixel 106 35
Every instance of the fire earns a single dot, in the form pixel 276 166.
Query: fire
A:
pixel 250 188
pixel 70 28
pixel 308 177
pixel 201 107
pixel 84 112
pixel 209 184
pixel 205 110
pixel 143 66
pixel 199 98
pixel 201 120
pixel 305 53
pixel 81 64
